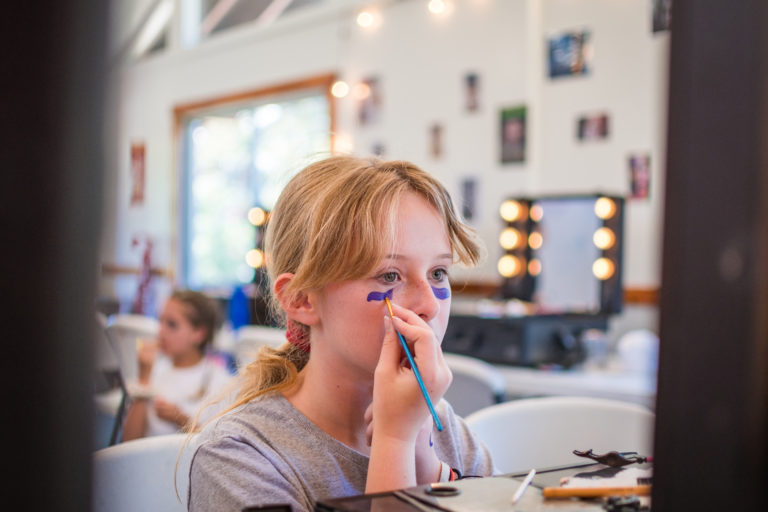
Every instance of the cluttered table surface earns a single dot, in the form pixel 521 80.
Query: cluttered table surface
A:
pixel 584 487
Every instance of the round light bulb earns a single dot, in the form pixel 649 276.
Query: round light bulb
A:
pixel 535 240
pixel 604 238
pixel 509 238
pixel 339 89
pixel 509 266
pixel 537 212
pixel 605 208
pixel 257 216
pixel 254 258
pixel 365 19
pixel 603 268
pixel 436 6
pixel 510 210
pixel 534 267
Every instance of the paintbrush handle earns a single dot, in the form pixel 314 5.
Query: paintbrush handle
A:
pixel 420 381
pixel 594 492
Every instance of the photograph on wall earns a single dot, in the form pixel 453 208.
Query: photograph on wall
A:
pixel 570 54
pixel 639 176
pixel 436 140
pixel 592 127
pixel 661 17
pixel 368 94
pixel 471 92
pixel 468 198
pixel 378 149
pixel 513 134
pixel 138 173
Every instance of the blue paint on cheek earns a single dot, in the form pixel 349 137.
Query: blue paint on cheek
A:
pixel 380 295
pixel 441 293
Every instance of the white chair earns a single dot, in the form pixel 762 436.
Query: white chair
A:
pixel 139 475
pixel 476 384
pixel 122 331
pixel 543 432
pixel 250 338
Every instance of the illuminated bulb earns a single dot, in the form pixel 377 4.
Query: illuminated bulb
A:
pixel 436 6
pixel 365 19
pixel 605 208
pixel 254 258
pixel 537 212
pixel 535 240
pixel 509 266
pixel 510 210
pixel 534 267
pixel 509 238
pixel 603 268
pixel 257 216
pixel 604 238
pixel 339 89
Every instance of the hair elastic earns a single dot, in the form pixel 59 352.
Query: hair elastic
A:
pixel 297 335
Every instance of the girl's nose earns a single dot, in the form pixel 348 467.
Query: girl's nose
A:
pixel 419 297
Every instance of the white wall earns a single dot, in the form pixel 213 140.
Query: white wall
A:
pixel 421 62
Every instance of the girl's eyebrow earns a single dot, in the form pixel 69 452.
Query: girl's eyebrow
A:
pixel 444 256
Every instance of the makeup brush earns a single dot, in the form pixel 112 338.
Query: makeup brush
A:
pixel 415 370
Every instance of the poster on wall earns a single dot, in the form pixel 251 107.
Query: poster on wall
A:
pixel 570 54
pixel 138 173
pixel 592 127
pixel 661 17
pixel 639 176
pixel 513 134
pixel 368 93
pixel 436 140
pixel 468 198
pixel 471 92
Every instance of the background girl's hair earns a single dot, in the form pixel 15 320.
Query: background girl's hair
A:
pixel 202 312
pixel 332 222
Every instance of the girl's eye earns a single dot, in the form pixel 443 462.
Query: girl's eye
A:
pixel 439 274
pixel 388 277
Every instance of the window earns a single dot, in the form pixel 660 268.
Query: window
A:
pixel 239 156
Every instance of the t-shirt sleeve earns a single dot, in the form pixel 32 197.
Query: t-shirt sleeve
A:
pixel 460 447
pixel 229 474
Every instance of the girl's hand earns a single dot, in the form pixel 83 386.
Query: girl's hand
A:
pixel 169 412
pixel 398 404
pixel 146 351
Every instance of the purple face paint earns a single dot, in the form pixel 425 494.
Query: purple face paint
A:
pixel 380 295
pixel 441 293
pixel 431 444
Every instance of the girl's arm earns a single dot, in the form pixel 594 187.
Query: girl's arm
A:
pixel 399 408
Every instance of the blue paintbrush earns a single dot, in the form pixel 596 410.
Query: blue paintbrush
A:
pixel 415 371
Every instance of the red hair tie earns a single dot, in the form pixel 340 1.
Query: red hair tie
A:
pixel 298 336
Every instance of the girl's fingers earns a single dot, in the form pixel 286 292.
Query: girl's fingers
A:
pixel 389 357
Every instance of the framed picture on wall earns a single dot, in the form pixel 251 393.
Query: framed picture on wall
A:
pixel 570 54
pixel 436 140
pixel 138 173
pixel 661 16
pixel 471 92
pixel 592 127
pixel 639 175
pixel 512 134
pixel 368 93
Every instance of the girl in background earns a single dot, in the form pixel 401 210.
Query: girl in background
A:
pixel 336 411
pixel 174 371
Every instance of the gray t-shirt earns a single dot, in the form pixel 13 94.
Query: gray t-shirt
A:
pixel 267 452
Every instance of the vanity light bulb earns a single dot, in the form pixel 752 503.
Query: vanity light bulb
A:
pixel 339 89
pixel 436 6
pixel 605 208
pixel 365 19
pixel 534 267
pixel 254 258
pixel 604 238
pixel 537 212
pixel 510 210
pixel 603 268
pixel 257 216
pixel 509 266
pixel 535 240
pixel 509 238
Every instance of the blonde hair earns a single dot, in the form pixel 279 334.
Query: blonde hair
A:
pixel 328 226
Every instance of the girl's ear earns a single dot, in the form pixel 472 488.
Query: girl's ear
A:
pixel 299 308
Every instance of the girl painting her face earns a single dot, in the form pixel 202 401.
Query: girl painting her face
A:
pixel 345 233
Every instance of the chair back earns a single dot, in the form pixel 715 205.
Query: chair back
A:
pixel 250 338
pixel 543 432
pixel 476 384
pixel 139 475
pixel 122 331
